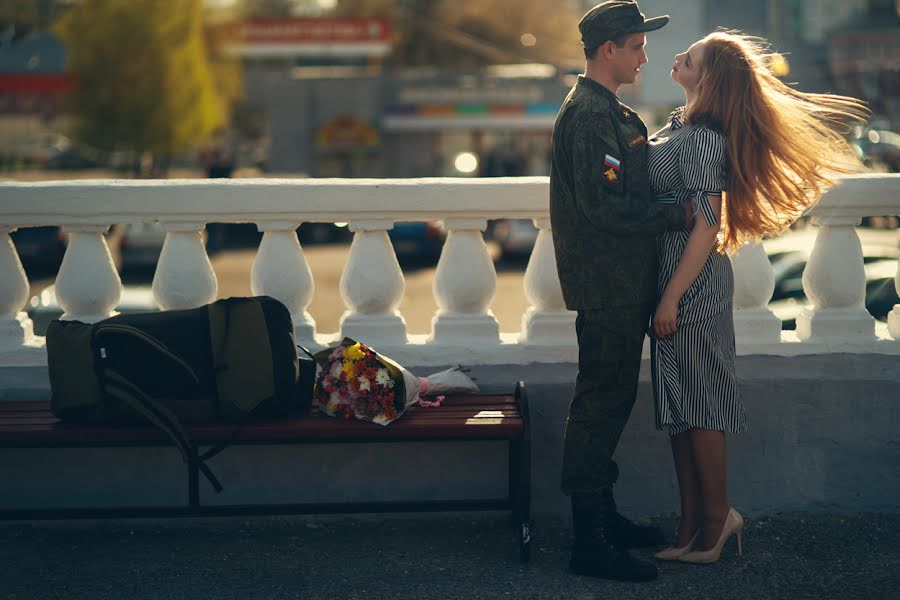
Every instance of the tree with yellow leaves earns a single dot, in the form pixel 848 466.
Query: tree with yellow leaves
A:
pixel 148 79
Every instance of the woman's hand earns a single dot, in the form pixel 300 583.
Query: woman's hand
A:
pixel 665 319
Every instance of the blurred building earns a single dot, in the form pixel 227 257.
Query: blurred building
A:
pixel 842 46
pixel 32 83
pixel 332 110
pixel 864 60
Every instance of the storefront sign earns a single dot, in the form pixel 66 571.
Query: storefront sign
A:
pixel 312 37
pixel 346 133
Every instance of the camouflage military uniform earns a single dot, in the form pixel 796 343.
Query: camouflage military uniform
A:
pixel 604 227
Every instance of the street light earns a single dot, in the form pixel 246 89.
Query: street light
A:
pixel 466 162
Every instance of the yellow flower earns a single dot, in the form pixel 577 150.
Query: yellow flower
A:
pixel 349 369
pixel 354 352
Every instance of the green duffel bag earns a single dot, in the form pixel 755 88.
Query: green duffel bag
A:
pixel 231 361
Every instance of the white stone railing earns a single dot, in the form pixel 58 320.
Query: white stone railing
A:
pixel 372 285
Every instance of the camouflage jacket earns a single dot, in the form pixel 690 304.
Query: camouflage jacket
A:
pixel 602 215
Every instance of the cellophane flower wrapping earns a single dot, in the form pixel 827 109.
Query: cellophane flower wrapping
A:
pixel 355 381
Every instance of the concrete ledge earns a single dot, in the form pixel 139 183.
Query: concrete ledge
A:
pixel 823 436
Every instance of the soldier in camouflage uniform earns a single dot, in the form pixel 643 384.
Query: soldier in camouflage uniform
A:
pixel 604 231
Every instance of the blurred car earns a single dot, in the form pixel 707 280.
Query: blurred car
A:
pixel 44 307
pixel 881 295
pixel 789 254
pixel 140 245
pixel 878 147
pixel 324 233
pixel 516 238
pixel 40 249
pixel 417 241
pixel 74 158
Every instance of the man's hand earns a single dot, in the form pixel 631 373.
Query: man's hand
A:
pixel 688 214
pixel 666 318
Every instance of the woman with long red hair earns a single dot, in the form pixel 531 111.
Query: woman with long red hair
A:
pixel 751 154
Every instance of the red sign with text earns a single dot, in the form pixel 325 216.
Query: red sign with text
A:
pixel 314 31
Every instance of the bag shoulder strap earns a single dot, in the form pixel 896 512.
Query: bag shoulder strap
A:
pixel 161 417
pixel 149 340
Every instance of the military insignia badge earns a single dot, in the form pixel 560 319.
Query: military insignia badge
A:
pixel 635 141
pixel 610 175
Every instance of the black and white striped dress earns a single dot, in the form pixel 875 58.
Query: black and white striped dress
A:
pixel 693 370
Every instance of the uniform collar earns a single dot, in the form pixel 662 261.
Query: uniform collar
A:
pixel 598 89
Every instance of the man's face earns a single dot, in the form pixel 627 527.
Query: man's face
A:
pixel 626 61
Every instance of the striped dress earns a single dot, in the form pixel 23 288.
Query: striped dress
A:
pixel 693 370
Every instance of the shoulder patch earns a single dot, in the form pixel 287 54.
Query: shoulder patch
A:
pixel 611 161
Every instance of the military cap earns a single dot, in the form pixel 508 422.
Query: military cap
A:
pixel 612 19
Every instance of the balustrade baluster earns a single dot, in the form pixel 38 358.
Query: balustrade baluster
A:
pixel 894 315
pixel 372 286
pixel 15 326
pixel 754 282
pixel 835 282
pixel 464 286
pixel 280 270
pixel 88 287
pixel 546 321
pixel 184 276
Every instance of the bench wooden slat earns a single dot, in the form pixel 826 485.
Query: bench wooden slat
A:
pixel 30 423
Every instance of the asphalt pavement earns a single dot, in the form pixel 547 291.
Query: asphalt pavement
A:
pixel 452 556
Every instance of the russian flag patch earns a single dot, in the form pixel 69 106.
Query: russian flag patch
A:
pixel 612 161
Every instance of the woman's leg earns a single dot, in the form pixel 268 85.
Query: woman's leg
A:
pixel 708 454
pixel 688 488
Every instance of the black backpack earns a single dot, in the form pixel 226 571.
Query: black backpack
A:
pixel 231 361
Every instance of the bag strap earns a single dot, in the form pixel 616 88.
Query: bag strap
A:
pixel 154 411
pixel 150 340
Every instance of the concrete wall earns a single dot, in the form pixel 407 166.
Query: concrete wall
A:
pixel 823 436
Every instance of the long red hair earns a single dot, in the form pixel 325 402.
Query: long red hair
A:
pixel 784 146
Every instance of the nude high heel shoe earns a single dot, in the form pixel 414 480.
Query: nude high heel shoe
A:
pixel 674 553
pixel 734 525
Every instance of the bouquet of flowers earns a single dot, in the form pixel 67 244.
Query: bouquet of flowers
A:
pixel 353 380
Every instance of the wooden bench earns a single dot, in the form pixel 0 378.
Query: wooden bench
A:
pixel 482 417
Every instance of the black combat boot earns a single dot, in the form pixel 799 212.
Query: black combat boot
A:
pixel 632 535
pixel 595 552
pixel 626 533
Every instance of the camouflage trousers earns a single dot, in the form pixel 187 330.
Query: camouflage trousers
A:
pixel 609 360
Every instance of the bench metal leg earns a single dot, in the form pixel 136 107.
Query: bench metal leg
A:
pixel 520 479
pixel 193 466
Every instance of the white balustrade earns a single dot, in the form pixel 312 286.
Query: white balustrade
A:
pixel 894 315
pixel 88 287
pixel 372 286
pixel 754 282
pixel 546 322
pixel 184 276
pixel 464 286
pixel 280 270
pixel 15 326
pixel 835 282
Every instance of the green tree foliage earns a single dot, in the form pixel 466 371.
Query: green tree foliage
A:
pixel 148 80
